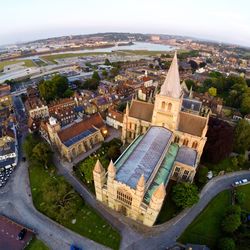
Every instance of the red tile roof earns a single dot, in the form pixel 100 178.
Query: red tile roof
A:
pixel 77 128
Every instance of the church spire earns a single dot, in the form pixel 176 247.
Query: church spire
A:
pixel 171 86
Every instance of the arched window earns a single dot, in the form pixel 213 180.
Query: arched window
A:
pixel 124 196
pixel 185 142
pixel 195 144
pixel 176 139
pixel 163 105
pixel 169 106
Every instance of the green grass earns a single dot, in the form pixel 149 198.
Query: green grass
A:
pixel 53 58
pixel 27 63
pixel 88 222
pixel 245 189
pixel 168 210
pixel 141 52
pixel 205 229
pixel 36 244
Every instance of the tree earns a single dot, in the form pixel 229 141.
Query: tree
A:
pixel 96 76
pixel 212 91
pixel 107 62
pixel 226 244
pixel 219 143
pixel 242 136
pixel 202 175
pixel 28 145
pixel 54 88
pixel 42 153
pixel 189 83
pixel 245 105
pixel 231 223
pixel 87 168
pixel 193 65
pixel 104 73
pixel 114 152
pixel 185 194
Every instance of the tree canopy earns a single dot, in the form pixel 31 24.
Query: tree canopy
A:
pixel 219 143
pixel 185 194
pixel 242 136
pixel 226 244
pixel 55 88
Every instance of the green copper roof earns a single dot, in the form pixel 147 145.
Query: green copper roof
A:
pixel 164 171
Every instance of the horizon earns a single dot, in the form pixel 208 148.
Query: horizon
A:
pixel 227 23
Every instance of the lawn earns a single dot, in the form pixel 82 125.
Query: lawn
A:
pixel 27 63
pixel 36 244
pixel 87 222
pixel 168 210
pixel 245 189
pixel 205 229
pixel 52 58
pixel 141 52
pixel 226 165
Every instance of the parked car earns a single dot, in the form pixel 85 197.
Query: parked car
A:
pixel 73 247
pixel 240 182
pixel 22 234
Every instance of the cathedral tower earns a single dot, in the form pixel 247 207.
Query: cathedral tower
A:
pixel 168 103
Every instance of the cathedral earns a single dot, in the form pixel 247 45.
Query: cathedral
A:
pixel 166 139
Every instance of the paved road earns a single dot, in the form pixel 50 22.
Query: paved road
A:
pixel 16 203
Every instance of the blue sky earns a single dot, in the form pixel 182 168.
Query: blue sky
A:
pixel 221 20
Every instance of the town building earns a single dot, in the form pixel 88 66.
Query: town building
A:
pixel 165 143
pixel 77 137
pixel 5 97
pixel 35 107
pixel 114 118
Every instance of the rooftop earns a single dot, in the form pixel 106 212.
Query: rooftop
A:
pixel 144 157
pixel 78 130
pixel 192 124
pixel 141 110
pixel 163 173
pixel 186 156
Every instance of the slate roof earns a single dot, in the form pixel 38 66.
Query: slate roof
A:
pixel 77 129
pixel 141 110
pixel 145 156
pixel 186 156
pixel 192 124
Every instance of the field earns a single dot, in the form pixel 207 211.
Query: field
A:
pixel 141 52
pixel 87 222
pixel 53 58
pixel 27 63
pixel 36 244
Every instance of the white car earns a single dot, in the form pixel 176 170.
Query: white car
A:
pixel 237 183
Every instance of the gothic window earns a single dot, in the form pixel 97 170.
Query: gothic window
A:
pixel 163 105
pixel 176 172
pixel 169 106
pixel 185 142
pixel 176 139
pixel 124 197
pixel 195 144
pixel 185 175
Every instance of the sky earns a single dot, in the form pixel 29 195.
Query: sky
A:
pixel 219 20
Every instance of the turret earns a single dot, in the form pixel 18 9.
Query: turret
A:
pixel 110 184
pixel 99 179
pixel 140 188
pixel 111 170
pixel 155 205
pixel 158 197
